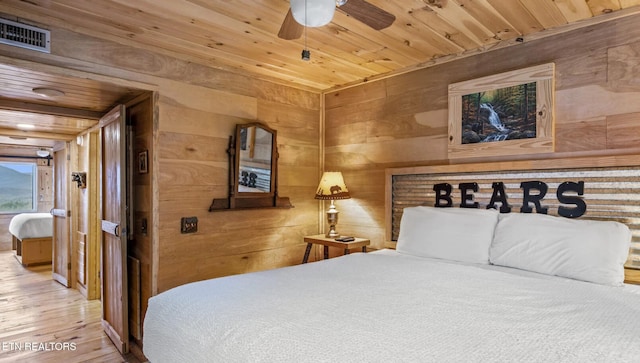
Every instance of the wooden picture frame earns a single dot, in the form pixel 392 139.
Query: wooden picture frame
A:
pixel 143 162
pixel 523 129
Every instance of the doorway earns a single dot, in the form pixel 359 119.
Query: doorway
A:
pixel 78 264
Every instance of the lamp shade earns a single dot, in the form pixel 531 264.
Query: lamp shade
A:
pixel 313 13
pixel 332 186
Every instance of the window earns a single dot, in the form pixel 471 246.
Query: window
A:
pixel 17 187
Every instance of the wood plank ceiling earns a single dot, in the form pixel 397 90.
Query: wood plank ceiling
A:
pixel 241 36
pixel 52 116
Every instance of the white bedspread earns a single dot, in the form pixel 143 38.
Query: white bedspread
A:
pixel 31 225
pixel 388 307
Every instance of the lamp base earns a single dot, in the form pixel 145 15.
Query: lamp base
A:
pixel 332 232
pixel 332 219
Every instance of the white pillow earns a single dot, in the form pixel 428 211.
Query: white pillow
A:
pixel 585 250
pixel 458 234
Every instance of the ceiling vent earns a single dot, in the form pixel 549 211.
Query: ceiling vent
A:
pixel 25 36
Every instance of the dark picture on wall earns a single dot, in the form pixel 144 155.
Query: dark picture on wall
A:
pixel 502 114
pixel 143 162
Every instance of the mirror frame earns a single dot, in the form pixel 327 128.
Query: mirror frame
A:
pixel 248 200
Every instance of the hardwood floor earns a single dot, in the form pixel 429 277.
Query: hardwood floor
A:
pixel 43 321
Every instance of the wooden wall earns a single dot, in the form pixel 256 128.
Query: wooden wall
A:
pixel 85 240
pixel 192 162
pixel 197 109
pixel 79 207
pixel 402 121
pixel 45 187
pixel 140 117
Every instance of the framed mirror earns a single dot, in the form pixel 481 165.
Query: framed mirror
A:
pixel 254 161
pixel 253 170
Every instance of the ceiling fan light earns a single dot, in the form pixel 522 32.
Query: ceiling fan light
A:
pixel 313 13
pixel 42 153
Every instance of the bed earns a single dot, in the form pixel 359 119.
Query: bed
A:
pixel 460 285
pixel 31 237
pixel 404 305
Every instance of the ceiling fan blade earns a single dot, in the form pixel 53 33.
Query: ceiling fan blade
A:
pixel 369 14
pixel 290 28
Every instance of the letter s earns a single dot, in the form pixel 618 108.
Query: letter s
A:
pixel 580 205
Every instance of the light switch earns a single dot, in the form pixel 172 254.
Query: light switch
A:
pixel 189 225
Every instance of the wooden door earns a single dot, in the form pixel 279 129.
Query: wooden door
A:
pixel 114 228
pixel 61 259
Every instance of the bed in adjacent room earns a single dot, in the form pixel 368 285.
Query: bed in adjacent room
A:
pixel 462 285
pixel 31 237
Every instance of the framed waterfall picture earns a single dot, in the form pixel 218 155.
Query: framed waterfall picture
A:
pixel 509 113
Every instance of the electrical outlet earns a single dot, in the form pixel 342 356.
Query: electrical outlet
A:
pixel 189 225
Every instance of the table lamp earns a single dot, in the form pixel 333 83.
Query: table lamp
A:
pixel 332 187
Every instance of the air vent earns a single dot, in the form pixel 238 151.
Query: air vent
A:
pixel 24 36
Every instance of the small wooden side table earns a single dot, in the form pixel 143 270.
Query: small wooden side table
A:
pixel 632 276
pixel 327 242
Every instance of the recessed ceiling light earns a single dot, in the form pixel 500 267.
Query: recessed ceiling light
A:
pixel 25 126
pixel 48 92
pixel 17 137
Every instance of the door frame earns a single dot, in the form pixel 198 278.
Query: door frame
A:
pixel 92 286
pixel 67 280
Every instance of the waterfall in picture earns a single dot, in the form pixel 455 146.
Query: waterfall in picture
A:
pixel 495 121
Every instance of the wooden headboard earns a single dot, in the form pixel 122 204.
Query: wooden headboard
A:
pixel 611 189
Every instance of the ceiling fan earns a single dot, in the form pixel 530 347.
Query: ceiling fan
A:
pixel 320 12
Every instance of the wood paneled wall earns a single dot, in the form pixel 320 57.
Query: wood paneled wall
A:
pixel 402 121
pixel 140 117
pixel 197 108
pixel 194 130
pixel 45 187
pixel 83 205
pixel 80 217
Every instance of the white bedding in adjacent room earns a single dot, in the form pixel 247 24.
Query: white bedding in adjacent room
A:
pixel 31 225
pixel 390 307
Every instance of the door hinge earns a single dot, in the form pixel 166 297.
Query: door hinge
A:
pixel 68 265
pixel 68 213
pixel 68 157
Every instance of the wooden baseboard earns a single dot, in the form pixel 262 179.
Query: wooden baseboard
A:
pixel 136 351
